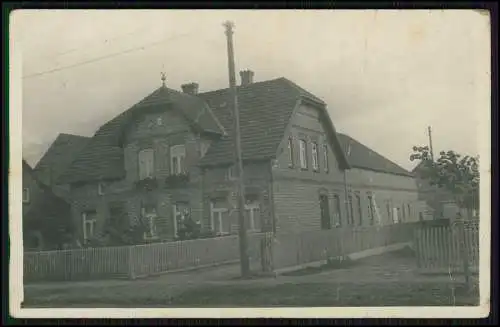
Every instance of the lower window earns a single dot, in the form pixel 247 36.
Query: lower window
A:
pixel 89 219
pixel 219 219
pixel 253 219
pixel 149 217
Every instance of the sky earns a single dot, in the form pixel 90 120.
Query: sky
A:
pixel 386 75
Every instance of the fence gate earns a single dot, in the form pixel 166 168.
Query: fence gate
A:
pixel 445 249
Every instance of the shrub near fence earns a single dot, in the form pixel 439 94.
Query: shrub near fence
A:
pixel 296 249
pixel 134 261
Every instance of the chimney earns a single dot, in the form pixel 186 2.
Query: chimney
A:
pixel 190 88
pixel 246 77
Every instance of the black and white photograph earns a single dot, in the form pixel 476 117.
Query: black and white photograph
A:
pixel 249 163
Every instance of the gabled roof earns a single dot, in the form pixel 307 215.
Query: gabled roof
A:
pixel 362 157
pixel 60 155
pixel 265 111
pixel 102 157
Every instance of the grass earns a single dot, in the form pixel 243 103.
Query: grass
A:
pixel 317 295
pixel 262 292
pixel 334 263
pixel 255 295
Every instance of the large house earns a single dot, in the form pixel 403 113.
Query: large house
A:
pixel 171 156
pixel 46 222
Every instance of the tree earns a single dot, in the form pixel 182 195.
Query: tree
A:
pixel 457 174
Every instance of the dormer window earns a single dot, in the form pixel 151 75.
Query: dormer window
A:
pixel 303 154
pixel 290 152
pixel 26 195
pixel 177 159
pixel 315 159
pixel 146 163
pixel 325 156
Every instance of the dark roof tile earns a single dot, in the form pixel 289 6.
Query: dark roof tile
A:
pixel 59 156
pixel 360 156
pixel 265 111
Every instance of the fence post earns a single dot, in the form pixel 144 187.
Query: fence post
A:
pixel 416 246
pixel 464 254
pixel 131 263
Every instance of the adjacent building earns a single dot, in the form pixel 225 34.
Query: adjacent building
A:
pixel 170 158
pixel 46 217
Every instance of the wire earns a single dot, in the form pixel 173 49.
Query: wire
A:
pixel 65 52
pixel 103 57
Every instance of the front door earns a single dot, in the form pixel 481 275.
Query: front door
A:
pixel 325 212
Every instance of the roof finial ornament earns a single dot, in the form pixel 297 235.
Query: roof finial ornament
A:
pixel 163 78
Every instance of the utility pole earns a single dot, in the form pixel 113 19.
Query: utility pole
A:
pixel 244 261
pixel 430 143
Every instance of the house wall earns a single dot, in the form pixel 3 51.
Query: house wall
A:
pixel 296 191
pixel 43 215
pixel 158 131
pixel 35 192
pixel 397 191
pixel 217 186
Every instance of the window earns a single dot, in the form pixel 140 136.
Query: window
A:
pixel 231 173
pixel 100 188
pixel 404 212
pixel 315 160
pixel 26 195
pixel 203 148
pixel 159 121
pixel 146 163
pixel 325 156
pixel 370 210
pixel 409 211
pixel 398 216
pixel 351 210
pixel 149 217
pixel 219 219
pixel 324 212
pixel 177 156
pixel 337 212
pixel 388 207
pixel 303 154
pixel 395 215
pixel 181 213
pixel 360 210
pixel 290 152
pixel 252 217
pixel 89 219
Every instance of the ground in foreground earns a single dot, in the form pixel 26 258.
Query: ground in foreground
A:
pixel 287 294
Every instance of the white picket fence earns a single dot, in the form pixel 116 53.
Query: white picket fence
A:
pixel 135 261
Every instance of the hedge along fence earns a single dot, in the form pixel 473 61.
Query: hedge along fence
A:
pixel 295 249
pixel 135 261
